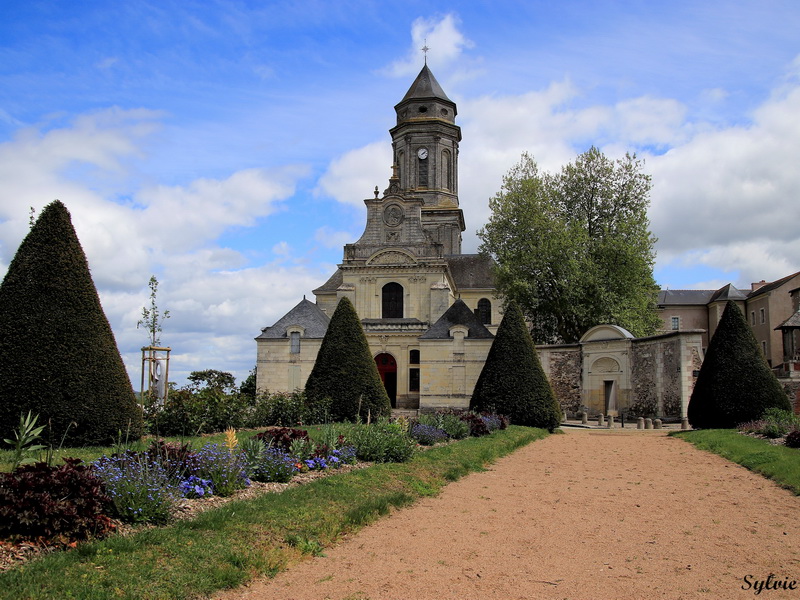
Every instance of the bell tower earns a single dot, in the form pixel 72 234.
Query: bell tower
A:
pixel 425 144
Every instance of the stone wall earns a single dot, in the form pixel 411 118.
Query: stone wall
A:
pixel 792 387
pixel 563 367
pixel 662 370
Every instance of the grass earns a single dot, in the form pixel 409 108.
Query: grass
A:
pixel 226 547
pixel 779 463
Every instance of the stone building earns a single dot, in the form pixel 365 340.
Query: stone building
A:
pixel 430 312
pixel 765 306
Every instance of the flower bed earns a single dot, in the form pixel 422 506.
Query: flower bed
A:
pixel 170 481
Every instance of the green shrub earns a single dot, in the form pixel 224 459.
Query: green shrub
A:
pixel 208 410
pixel 381 442
pixel 512 381
pixel 345 371
pixel 452 424
pixel 58 356
pixel 735 384
pixel 781 416
pixel 288 410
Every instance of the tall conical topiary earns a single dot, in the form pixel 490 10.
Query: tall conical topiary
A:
pixel 512 381
pixel 345 371
pixel 58 356
pixel 735 384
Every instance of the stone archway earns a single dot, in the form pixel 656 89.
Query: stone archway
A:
pixel 387 369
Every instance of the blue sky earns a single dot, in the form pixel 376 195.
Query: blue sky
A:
pixel 226 147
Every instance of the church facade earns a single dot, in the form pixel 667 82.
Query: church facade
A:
pixel 429 312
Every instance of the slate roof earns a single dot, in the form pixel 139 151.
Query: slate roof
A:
pixel 471 270
pixel 333 283
pixel 793 321
pixel 458 314
pixel 684 297
pixel 771 286
pixel 727 292
pixel 425 86
pixel 307 315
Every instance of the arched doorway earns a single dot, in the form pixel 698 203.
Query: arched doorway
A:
pixel 387 368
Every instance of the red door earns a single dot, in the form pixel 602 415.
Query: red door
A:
pixel 387 368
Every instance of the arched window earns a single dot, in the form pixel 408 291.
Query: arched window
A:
pixel 484 311
pixel 294 339
pixel 400 159
pixel 392 301
pixel 447 170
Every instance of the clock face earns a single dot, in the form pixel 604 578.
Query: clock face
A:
pixel 422 153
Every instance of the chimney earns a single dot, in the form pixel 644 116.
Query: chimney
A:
pixel 757 285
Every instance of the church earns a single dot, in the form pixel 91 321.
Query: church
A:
pixel 429 312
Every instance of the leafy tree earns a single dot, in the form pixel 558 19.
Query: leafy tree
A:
pixel 512 381
pixel 345 371
pixel 152 319
pixel 58 356
pixel 574 249
pixel 213 379
pixel 247 388
pixel 735 384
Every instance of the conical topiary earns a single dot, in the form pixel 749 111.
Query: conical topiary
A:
pixel 735 384
pixel 58 356
pixel 345 371
pixel 512 381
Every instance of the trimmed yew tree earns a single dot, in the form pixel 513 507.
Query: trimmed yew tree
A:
pixel 735 384
pixel 345 371
pixel 58 356
pixel 512 381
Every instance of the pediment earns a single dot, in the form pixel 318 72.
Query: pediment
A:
pixel 391 257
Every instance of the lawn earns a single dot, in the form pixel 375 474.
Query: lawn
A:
pixel 779 463
pixel 228 546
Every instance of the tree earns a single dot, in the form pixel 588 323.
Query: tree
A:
pixel 345 371
pixel 212 379
pixel 152 319
pixel 574 249
pixel 512 381
pixel 735 384
pixel 58 356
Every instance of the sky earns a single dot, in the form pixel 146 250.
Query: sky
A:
pixel 226 147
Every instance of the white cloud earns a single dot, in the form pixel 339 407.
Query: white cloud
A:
pixel 333 239
pixel 441 36
pixel 353 176
pixel 216 302
pixel 728 197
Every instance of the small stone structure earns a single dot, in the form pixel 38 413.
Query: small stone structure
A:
pixel 612 373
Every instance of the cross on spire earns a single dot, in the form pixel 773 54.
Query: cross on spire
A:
pixel 425 50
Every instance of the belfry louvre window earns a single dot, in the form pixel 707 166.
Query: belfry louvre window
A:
pixel 392 301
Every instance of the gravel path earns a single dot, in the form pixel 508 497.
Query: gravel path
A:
pixel 590 514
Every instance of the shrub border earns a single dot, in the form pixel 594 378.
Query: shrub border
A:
pixel 226 547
